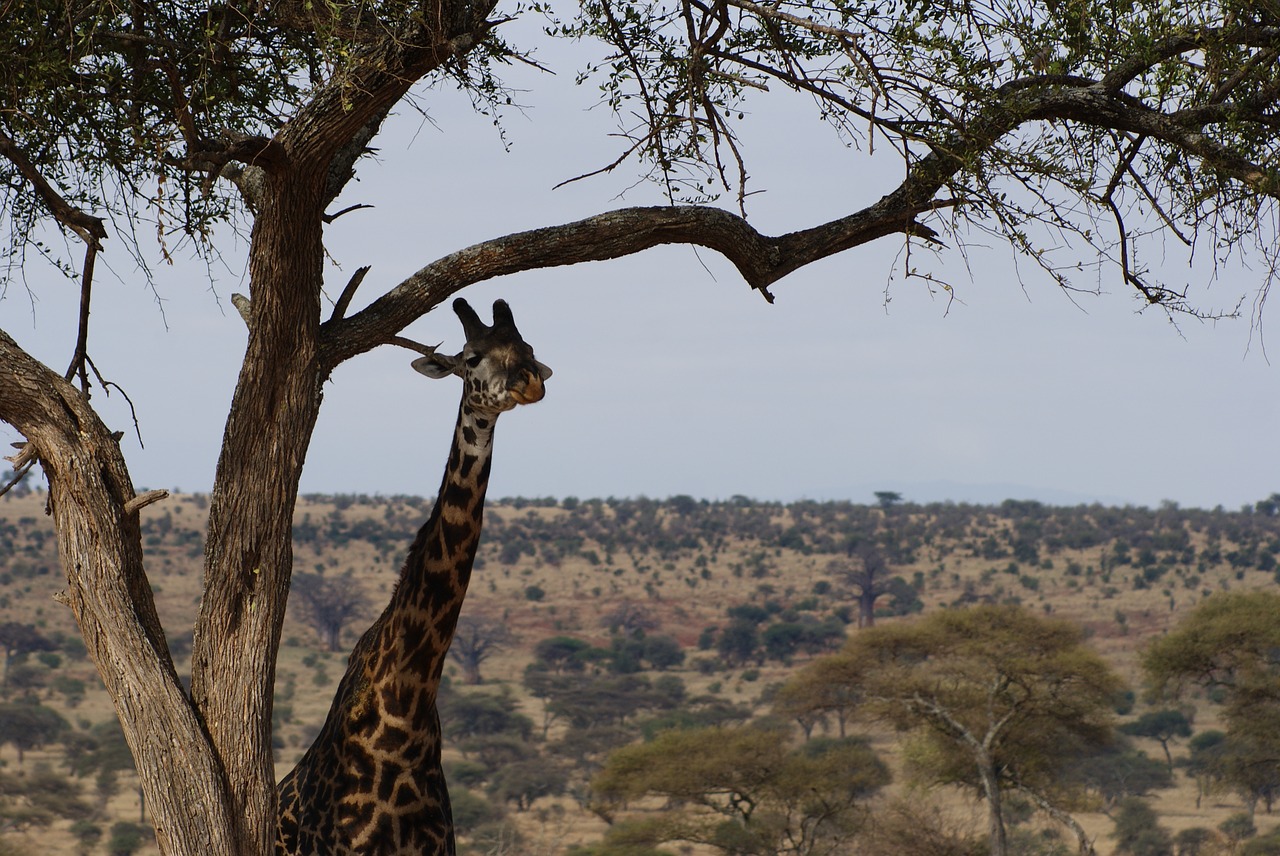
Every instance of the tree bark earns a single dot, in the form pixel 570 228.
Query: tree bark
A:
pixel 100 545
pixel 996 838
pixel 249 552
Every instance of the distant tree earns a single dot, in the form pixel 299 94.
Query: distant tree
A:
pixel 38 798
pixel 477 638
pixel 662 651
pixel 29 725
pixel 743 790
pixel 525 781
pixel 1138 831
pixel 1161 725
pixel 866 573
pixel 1193 841
pixel 561 654
pixel 18 640
pixel 819 690
pixel 87 835
pixel 1207 762
pixel 1117 771
pixel 888 498
pixel 329 604
pixel 464 715
pixel 631 619
pixel 1238 827
pixel 470 810
pixel 999 698
pixel 102 750
pixel 738 642
pixel 126 839
pixel 1228 644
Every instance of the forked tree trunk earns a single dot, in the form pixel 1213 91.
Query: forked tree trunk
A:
pixel 248 551
pixel 996 838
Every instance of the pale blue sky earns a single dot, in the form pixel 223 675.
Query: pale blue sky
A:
pixel 671 376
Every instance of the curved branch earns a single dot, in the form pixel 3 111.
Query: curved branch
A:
pixel 761 259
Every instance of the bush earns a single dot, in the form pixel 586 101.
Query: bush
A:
pixel 126 838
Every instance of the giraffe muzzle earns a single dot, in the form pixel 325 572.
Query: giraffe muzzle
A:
pixel 529 390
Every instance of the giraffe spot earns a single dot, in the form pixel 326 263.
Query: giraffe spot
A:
pixel 405 795
pixel 456 494
pixel 391 738
pixel 361 767
pixel 454 533
pixel 469 461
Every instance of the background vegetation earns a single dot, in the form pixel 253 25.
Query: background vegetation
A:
pixel 604 635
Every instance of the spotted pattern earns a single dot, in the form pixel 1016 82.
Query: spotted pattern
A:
pixel 371 783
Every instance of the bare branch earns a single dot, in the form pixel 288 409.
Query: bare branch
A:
pixel 142 500
pixel 760 259
pixel 344 299
pixel 81 354
pixel 329 218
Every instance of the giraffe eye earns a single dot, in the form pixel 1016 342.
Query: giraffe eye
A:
pixel 474 361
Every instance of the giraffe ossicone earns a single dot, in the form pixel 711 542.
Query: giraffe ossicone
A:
pixel 371 783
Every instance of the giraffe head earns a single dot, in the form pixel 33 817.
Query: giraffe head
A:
pixel 496 364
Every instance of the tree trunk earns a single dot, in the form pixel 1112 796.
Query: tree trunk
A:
pixel 248 551
pixel 995 812
pixel 99 544
pixel 867 606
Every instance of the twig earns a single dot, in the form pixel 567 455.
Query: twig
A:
pixel 19 473
pixel 329 218
pixel 81 354
pixel 90 229
pixel 425 350
pixel 142 500
pixel 348 292
pixel 133 413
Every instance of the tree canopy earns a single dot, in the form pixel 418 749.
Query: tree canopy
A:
pixel 1084 135
pixel 1229 644
pixel 743 789
pixel 994 698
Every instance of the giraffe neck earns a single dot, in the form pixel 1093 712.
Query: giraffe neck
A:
pixel 414 632
pixel 445 547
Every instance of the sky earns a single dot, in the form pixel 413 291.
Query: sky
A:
pixel 671 375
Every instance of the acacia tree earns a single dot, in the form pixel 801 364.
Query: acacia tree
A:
pixel 742 790
pixel 1047 124
pixel 478 638
pixel 994 698
pixel 1229 643
pixel 329 604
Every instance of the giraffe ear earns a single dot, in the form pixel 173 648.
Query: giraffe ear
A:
pixel 544 370
pixel 438 365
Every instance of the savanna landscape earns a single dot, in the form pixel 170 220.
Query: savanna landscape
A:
pixel 640 676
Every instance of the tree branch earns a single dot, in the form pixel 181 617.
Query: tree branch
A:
pixel 90 229
pixel 100 546
pixel 760 259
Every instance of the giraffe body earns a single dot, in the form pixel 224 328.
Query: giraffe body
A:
pixel 371 783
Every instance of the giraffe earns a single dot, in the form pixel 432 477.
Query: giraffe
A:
pixel 371 783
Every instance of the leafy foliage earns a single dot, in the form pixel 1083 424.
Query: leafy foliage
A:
pixel 746 790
